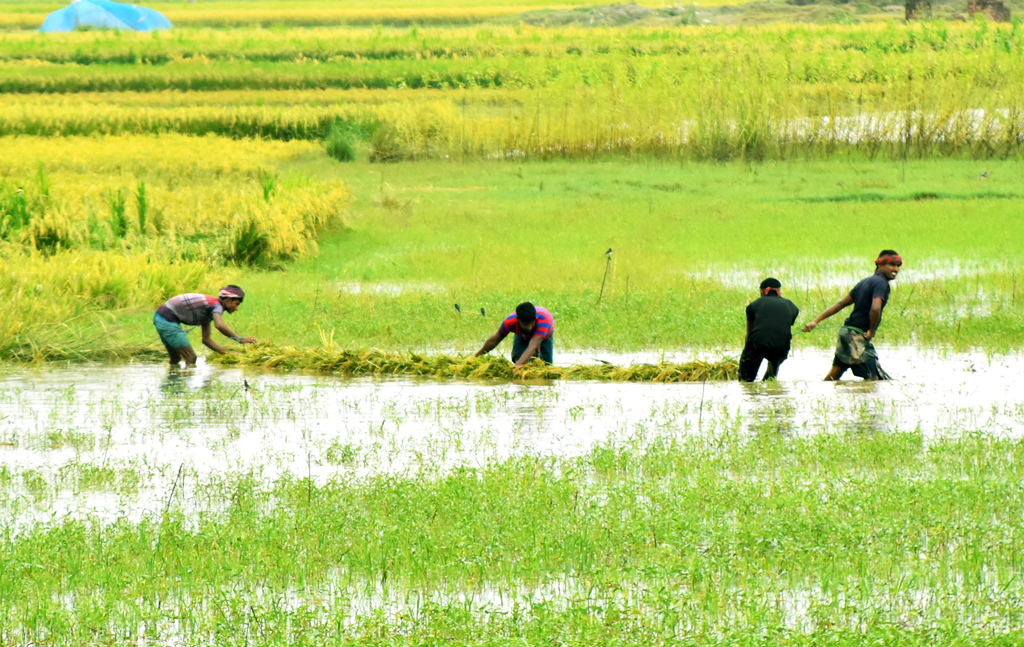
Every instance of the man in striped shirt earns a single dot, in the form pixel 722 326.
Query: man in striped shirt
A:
pixel 197 310
pixel 533 329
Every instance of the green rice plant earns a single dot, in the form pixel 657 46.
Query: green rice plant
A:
pixel 374 362
pixel 386 144
pixel 248 243
pixel 666 536
pixel 141 206
pixel 14 210
pixel 118 219
pixel 44 181
pixel 52 232
pixel 268 182
pixel 340 143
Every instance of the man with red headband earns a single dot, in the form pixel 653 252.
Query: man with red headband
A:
pixel 197 310
pixel 769 319
pixel 854 349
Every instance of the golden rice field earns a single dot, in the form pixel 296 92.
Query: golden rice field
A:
pixel 105 224
pixel 402 173
pixel 758 93
pixel 138 166
pixel 20 14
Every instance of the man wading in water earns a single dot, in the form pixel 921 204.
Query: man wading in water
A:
pixel 854 349
pixel 533 329
pixel 197 310
pixel 769 319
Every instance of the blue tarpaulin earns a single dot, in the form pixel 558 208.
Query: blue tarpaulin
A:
pixel 104 14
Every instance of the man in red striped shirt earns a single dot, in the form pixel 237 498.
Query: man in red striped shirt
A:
pixel 533 329
pixel 194 309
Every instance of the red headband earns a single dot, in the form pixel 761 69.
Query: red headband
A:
pixel 230 292
pixel 765 291
pixel 889 259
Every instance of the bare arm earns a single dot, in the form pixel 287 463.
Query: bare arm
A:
pixel 831 310
pixel 531 350
pixel 218 321
pixel 208 340
pixel 489 344
pixel 876 317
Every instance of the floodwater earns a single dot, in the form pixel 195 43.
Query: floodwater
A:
pixel 56 422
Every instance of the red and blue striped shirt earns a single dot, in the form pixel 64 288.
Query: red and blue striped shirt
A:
pixel 544 327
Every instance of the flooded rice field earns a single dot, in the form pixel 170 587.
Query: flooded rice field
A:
pixel 222 506
pixel 57 422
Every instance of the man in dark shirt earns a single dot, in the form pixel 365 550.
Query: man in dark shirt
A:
pixel 769 319
pixel 854 349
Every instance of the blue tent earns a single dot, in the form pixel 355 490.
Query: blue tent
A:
pixel 104 14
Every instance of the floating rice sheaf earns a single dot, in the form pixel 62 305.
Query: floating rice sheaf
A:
pixel 375 362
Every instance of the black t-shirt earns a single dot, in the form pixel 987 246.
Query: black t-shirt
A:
pixel 772 317
pixel 864 294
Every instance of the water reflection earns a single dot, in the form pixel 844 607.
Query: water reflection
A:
pixel 770 407
pixel 180 379
pixel 155 419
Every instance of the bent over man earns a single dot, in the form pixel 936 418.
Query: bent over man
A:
pixel 197 310
pixel 769 319
pixel 854 349
pixel 533 329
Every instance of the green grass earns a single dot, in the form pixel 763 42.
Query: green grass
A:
pixel 488 235
pixel 660 540
pixel 691 242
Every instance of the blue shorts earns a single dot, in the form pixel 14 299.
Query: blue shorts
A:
pixel 170 333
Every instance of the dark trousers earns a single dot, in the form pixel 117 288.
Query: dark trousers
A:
pixel 754 354
pixel 546 351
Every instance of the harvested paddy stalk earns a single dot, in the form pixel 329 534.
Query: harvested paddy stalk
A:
pixel 376 362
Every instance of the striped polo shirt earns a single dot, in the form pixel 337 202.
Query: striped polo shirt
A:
pixel 191 309
pixel 545 325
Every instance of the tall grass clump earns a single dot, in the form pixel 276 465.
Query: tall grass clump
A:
pixel 16 210
pixel 341 143
pixel 386 144
pixel 118 216
pixel 141 207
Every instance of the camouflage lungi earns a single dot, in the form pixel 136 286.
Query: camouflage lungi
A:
pixel 858 354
